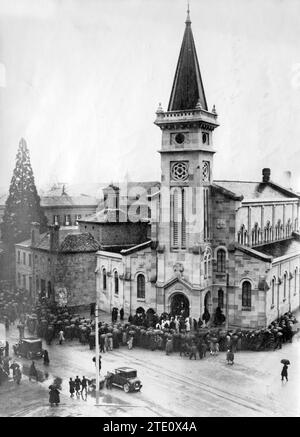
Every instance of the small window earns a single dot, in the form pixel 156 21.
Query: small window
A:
pixel 116 280
pixel 284 286
pixel 78 217
pixel 29 260
pixel 24 258
pixel 246 294
pixel 104 277
pixel 56 219
pixel 67 220
pixel 141 286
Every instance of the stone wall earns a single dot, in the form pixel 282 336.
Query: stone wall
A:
pixel 117 233
pixel 76 273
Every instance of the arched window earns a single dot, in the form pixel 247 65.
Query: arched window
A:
pixel 104 277
pixel 273 291
pixel 246 294
pixel 243 235
pixel 284 285
pixel 116 281
pixel 140 286
pixel 220 298
pixel 221 260
pixel 267 232
pixel 174 218
pixel 255 235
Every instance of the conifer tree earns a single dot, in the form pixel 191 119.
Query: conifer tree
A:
pixel 22 206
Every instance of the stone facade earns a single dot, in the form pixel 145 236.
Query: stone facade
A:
pixel 231 244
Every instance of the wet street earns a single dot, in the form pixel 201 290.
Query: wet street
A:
pixel 173 386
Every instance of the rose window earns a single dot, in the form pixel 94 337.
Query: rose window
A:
pixel 180 171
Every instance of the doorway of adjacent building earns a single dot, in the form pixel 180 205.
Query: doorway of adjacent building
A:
pixel 208 303
pixel 180 305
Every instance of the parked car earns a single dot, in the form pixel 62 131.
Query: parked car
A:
pixel 126 378
pixel 29 348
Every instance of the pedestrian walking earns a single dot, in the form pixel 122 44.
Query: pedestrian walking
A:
pixel 284 372
pixel 71 387
pixel 61 337
pixel 84 383
pixel 77 385
pixel 33 373
pixel 54 395
pixel 121 314
pixel 46 358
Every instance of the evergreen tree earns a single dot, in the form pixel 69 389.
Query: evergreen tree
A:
pixel 22 206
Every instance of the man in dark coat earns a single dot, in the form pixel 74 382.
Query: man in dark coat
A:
pixel 77 383
pixel 84 383
pixel 71 387
pixel 53 395
pixel 193 351
pixel 121 314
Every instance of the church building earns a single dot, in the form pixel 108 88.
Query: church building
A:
pixel 210 243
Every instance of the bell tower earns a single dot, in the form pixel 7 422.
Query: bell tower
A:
pixel 186 156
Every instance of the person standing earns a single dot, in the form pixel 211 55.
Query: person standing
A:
pixel 193 351
pixel 33 372
pixel 284 372
pixel 84 382
pixel 71 387
pixel 230 357
pixel 54 395
pixel 46 358
pixel 77 385
pixel 121 314
pixel 61 337
pixel 6 349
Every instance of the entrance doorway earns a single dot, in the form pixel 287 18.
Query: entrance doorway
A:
pixel 180 305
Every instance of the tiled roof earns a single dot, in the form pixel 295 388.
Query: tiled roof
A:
pixel 64 200
pixel 84 242
pixel 44 241
pixel 255 190
pixel 280 248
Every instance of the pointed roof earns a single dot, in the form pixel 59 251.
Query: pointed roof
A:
pixel 187 88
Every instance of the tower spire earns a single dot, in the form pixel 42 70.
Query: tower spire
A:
pixel 187 88
pixel 188 19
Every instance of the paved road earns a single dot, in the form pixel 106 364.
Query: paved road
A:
pixel 172 385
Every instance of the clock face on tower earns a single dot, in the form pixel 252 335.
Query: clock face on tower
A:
pixel 179 171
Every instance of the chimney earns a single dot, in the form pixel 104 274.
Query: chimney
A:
pixel 266 172
pixel 287 179
pixel 35 232
pixel 54 238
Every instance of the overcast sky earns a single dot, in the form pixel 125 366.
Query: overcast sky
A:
pixel 81 80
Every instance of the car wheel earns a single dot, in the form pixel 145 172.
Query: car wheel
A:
pixel 126 388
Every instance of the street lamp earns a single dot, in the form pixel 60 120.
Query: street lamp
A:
pixel 97 341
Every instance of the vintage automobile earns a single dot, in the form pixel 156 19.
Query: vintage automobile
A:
pixel 126 378
pixel 29 348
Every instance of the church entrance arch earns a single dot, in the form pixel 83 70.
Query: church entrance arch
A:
pixel 179 305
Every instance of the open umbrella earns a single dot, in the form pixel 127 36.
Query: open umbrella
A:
pixel 285 361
